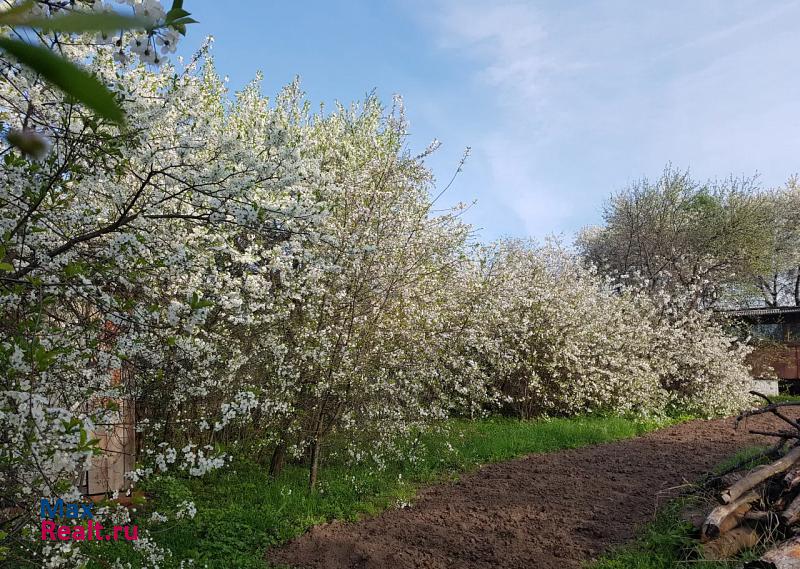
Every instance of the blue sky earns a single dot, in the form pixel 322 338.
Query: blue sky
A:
pixel 562 102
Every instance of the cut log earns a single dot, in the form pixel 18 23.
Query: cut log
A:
pixel 761 517
pixel 722 481
pixel 726 517
pixel 731 478
pixel 719 481
pixel 766 523
pixel 791 514
pixel 758 516
pixel 783 500
pixel 792 479
pixel 785 556
pixel 760 474
pixel 729 544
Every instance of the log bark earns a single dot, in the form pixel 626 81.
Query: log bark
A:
pixel 731 479
pixel 760 474
pixel 791 514
pixel 785 556
pixel 766 523
pixel 721 479
pixel 792 479
pixel 726 517
pixel 729 544
pixel 758 516
pixel 721 482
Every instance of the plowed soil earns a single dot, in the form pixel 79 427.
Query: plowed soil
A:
pixel 543 511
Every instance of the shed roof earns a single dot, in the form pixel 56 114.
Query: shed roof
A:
pixel 763 311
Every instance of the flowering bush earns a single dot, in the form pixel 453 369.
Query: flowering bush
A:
pixel 562 340
pixel 367 320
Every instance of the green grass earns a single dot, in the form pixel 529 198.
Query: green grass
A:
pixel 666 542
pixel 241 512
pixel 785 398
pixel 747 457
pixel 663 544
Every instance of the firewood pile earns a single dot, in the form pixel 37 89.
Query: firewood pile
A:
pixel 761 504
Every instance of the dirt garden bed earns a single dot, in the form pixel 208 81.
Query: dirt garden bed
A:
pixel 554 510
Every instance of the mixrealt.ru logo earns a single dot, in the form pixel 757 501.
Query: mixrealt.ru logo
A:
pixel 88 531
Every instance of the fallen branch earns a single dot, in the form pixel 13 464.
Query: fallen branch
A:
pixel 770 408
pixel 780 434
pixel 773 452
pixel 759 475
pixel 758 503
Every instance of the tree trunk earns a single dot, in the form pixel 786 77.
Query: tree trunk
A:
pixel 797 288
pixel 278 460
pixel 769 293
pixel 729 544
pixel 314 466
pixel 316 443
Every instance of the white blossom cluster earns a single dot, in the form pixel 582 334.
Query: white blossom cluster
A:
pixel 152 44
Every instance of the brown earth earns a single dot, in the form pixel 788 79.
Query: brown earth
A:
pixel 554 510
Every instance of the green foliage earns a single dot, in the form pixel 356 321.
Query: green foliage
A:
pixel 703 239
pixel 67 76
pixel 178 18
pixel 16 14
pixel 79 22
pixel 785 399
pixel 748 457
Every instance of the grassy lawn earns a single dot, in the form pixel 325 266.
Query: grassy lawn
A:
pixel 241 511
pixel 785 399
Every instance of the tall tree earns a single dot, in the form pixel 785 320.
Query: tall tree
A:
pixel 682 236
pixel 779 283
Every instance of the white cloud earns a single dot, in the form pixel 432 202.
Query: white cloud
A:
pixel 507 38
pixel 541 209
pixel 589 96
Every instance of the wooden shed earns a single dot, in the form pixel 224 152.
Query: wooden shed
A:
pixel 775 333
pixel 107 473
